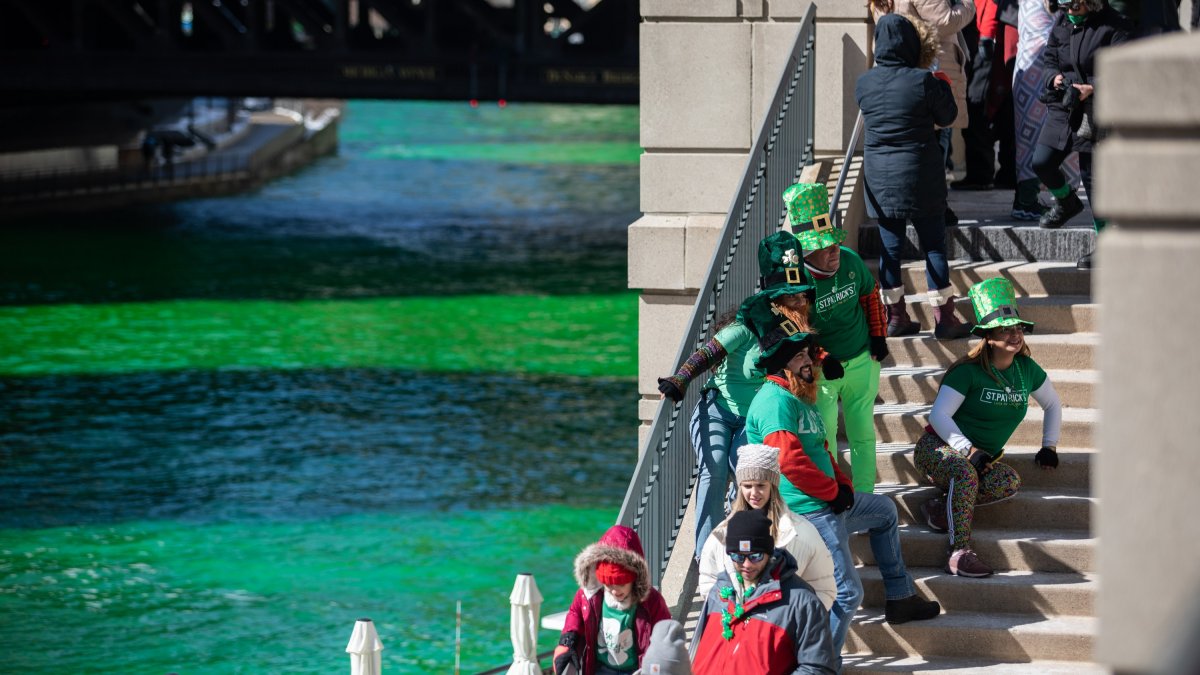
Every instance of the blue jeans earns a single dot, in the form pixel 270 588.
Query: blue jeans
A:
pixel 716 435
pixel 931 235
pixel 877 515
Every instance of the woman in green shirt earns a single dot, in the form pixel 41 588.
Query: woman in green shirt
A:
pixel 982 400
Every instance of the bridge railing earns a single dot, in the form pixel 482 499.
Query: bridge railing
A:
pixel 662 483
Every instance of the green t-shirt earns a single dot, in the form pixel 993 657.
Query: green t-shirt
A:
pixel 837 315
pixel 992 410
pixel 736 377
pixel 777 409
pixel 615 646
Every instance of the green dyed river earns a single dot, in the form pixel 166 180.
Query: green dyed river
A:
pixel 378 387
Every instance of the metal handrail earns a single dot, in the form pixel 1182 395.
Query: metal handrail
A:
pixel 841 179
pixel 662 483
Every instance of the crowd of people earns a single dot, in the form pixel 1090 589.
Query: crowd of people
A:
pixel 777 576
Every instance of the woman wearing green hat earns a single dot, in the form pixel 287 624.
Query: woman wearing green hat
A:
pixel 982 400
pixel 718 422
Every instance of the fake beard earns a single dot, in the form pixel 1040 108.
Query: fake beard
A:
pixel 805 391
pixel 798 317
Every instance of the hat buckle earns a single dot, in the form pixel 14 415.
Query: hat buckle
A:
pixel 821 223
pixel 789 328
pixel 794 277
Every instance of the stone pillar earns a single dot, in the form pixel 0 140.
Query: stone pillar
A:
pixel 708 71
pixel 1147 471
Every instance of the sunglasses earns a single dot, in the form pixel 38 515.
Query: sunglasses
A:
pixel 740 558
pixel 1070 4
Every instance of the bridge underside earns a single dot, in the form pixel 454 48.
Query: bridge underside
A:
pixel 520 50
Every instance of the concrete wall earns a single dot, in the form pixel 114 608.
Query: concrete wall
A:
pixel 1148 472
pixel 708 71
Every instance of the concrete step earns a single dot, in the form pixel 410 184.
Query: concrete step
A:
pixel 996 243
pixel 1040 593
pixel 1028 278
pixel 894 464
pixel 1050 314
pixel 874 664
pixel 1003 550
pixel 1057 509
pixel 905 423
pixel 983 635
pixel 917 384
pixel 1052 352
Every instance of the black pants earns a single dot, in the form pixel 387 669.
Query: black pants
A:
pixel 978 144
pixel 1046 163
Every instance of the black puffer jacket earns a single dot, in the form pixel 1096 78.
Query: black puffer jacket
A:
pixel 901 104
pixel 1071 51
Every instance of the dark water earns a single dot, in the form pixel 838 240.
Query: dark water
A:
pixel 174 499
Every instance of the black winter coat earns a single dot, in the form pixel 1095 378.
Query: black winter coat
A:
pixel 1071 50
pixel 903 168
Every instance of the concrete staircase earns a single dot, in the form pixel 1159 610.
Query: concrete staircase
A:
pixel 1037 614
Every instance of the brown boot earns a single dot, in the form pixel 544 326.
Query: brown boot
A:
pixel 899 322
pixel 947 326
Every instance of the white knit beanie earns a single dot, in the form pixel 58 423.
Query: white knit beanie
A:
pixel 758 462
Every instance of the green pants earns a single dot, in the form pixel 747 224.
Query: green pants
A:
pixel 857 390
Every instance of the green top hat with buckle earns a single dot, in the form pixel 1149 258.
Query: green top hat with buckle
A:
pixel 781 266
pixel 808 216
pixel 995 304
pixel 778 338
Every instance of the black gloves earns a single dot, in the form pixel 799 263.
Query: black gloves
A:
pixel 1047 458
pixel 568 658
pixel 832 369
pixel 878 348
pixel 844 498
pixel 670 389
pixel 981 461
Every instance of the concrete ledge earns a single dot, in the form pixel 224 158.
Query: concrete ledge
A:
pixel 1140 180
pixel 661 321
pixel 690 182
pixel 656 252
pixel 1155 83
pixel 703 233
pixel 695 85
pixel 689 8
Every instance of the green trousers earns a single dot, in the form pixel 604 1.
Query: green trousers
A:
pixel 857 391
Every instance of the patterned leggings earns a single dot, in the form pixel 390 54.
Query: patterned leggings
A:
pixel 949 469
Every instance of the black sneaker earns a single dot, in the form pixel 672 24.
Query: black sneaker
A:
pixel 912 608
pixel 1063 210
pixel 1086 262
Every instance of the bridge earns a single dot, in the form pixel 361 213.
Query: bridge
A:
pixel 519 50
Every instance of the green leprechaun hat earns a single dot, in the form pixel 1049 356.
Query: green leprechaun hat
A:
pixel 808 216
pixel 995 304
pixel 779 339
pixel 781 266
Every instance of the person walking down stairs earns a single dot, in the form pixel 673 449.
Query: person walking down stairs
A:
pixel 902 102
pixel 982 399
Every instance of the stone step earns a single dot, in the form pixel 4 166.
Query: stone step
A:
pixel 905 423
pixel 982 635
pixel 1053 352
pixel 1003 550
pixel 1028 278
pixel 1050 314
pixel 894 464
pixel 1039 593
pixel 874 664
pixel 916 384
pixel 996 243
pixel 1056 509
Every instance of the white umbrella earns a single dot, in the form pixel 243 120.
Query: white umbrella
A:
pixel 526 602
pixel 364 649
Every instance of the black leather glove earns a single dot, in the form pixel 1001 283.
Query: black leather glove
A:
pixel 670 389
pixel 1047 458
pixel 569 657
pixel 879 350
pixel 981 460
pixel 844 498
pixel 832 369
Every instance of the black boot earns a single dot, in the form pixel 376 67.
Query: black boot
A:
pixel 1086 262
pixel 947 326
pixel 1063 210
pixel 898 321
pixel 912 608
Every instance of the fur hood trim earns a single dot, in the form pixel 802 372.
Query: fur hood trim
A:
pixel 619 545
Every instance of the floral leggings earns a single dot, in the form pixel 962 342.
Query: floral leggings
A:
pixel 949 469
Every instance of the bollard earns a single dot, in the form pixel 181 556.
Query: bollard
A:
pixel 364 649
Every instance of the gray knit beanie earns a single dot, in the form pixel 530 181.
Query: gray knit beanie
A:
pixel 667 653
pixel 758 462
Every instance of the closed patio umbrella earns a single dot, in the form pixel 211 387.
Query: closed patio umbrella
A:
pixel 526 602
pixel 364 649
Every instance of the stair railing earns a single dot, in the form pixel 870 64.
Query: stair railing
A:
pixel 666 472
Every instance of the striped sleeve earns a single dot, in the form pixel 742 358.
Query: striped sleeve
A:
pixel 875 313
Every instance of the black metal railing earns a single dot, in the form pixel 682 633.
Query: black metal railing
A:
pixel 662 483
